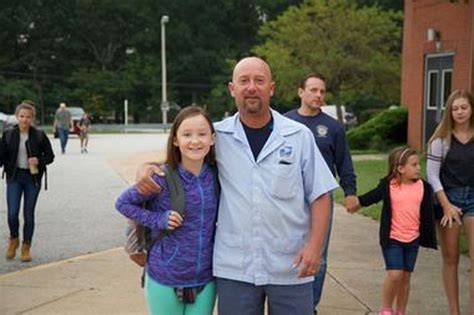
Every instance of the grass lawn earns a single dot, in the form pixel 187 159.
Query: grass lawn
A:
pixel 368 175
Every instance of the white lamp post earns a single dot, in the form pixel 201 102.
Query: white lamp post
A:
pixel 164 98
pixel 125 113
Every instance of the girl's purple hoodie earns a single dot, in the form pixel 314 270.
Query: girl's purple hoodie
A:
pixel 184 258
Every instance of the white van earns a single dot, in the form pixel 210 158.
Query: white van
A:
pixel 7 121
pixel 331 110
pixel 348 119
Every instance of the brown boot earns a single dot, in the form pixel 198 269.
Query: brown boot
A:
pixel 13 245
pixel 25 252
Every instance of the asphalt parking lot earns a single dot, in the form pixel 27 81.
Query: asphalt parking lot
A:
pixel 76 215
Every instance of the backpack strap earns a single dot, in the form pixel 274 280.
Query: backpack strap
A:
pixel 175 186
pixel 41 137
pixel 8 138
pixel 177 198
pixel 217 184
pixel 45 178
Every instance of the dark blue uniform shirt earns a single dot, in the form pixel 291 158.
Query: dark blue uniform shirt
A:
pixel 331 140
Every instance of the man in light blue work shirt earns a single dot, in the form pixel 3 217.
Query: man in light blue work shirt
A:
pixel 274 205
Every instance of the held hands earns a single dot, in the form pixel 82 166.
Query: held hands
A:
pixel 175 220
pixel 145 184
pixel 451 213
pixel 351 203
pixel 309 257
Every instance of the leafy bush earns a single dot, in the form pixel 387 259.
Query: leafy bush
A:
pixel 367 114
pixel 383 130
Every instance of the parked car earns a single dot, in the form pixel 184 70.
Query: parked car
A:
pixel 76 115
pixel 7 121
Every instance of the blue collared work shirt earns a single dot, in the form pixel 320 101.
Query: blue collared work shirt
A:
pixel 264 211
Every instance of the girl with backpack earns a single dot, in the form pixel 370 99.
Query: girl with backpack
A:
pixel 406 223
pixel 178 277
pixel 24 153
pixel 451 174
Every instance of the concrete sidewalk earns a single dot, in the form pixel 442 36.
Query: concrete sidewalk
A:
pixel 108 283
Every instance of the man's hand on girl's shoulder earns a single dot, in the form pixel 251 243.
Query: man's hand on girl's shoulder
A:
pixel 145 183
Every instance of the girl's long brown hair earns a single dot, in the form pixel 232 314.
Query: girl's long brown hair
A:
pixel 446 125
pixel 173 155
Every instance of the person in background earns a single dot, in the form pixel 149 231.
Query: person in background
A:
pixel 24 153
pixel 84 127
pixel 330 138
pixel 451 174
pixel 63 123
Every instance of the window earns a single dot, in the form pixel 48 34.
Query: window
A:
pixel 446 85
pixel 432 89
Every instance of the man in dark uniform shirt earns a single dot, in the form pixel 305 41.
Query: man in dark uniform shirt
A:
pixel 331 140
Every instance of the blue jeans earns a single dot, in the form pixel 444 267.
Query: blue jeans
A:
pixel 22 184
pixel 463 198
pixel 63 137
pixel 401 256
pixel 321 276
pixel 238 298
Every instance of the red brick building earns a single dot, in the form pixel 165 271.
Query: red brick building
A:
pixel 438 57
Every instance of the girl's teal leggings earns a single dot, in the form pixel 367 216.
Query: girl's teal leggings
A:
pixel 162 300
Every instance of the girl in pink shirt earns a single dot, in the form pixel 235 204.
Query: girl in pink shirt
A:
pixel 407 222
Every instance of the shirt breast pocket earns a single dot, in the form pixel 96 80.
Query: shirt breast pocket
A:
pixel 284 181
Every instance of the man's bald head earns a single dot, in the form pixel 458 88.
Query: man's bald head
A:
pixel 252 88
pixel 255 62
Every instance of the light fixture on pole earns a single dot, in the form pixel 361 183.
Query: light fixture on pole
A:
pixel 434 35
pixel 164 99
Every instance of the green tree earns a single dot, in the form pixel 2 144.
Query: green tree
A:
pixel 29 35
pixel 75 51
pixel 384 4
pixel 356 49
pixel 12 92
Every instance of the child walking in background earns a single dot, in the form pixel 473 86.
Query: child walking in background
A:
pixel 407 222
pixel 178 277
pixel 84 127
